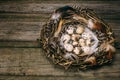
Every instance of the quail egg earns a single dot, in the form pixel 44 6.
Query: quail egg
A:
pixel 86 49
pixel 79 30
pixel 68 47
pixel 75 43
pixel 86 35
pixel 88 42
pixel 70 30
pixel 81 42
pixel 75 37
pixel 65 38
pixel 76 50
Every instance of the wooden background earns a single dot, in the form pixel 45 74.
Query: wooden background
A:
pixel 20 55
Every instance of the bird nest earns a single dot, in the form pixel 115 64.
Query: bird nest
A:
pixel 76 37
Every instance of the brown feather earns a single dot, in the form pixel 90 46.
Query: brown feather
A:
pixel 91 60
pixel 59 28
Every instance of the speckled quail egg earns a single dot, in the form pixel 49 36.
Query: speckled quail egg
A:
pixel 79 30
pixel 88 42
pixel 74 37
pixel 70 30
pixel 65 38
pixel 86 49
pixel 68 47
pixel 76 50
pixel 82 42
pixel 86 35
pixel 75 43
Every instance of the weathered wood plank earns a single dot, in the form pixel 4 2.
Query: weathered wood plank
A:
pixel 45 16
pixel 55 78
pixel 17 35
pixel 51 78
pixel 33 44
pixel 24 17
pixel 61 1
pixel 99 7
pixel 30 31
pixel 32 61
pixel 54 0
pixel 31 25
pixel 19 44
pixel 24 26
pixel 20 55
pixel 40 12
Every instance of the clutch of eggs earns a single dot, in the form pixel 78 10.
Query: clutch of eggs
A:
pixel 78 40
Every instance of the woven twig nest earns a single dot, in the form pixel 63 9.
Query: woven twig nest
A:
pixel 77 37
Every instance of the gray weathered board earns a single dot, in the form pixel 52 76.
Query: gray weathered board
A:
pixel 20 25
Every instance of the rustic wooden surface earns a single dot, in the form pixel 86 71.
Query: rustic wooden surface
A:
pixel 20 55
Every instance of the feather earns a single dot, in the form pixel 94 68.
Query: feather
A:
pixel 81 19
pixel 91 60
pixel 93 48
pixel 56 16
pixel 59 28
pixel 90 24
pixel 107 47
pixel 110 48
pixel 70 56
pixel 95 25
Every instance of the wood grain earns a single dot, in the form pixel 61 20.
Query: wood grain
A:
pixel 21 57
pixel 30 31
pixel 99 7
pixel 31 61
pixel 106 8
pixel 53 78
